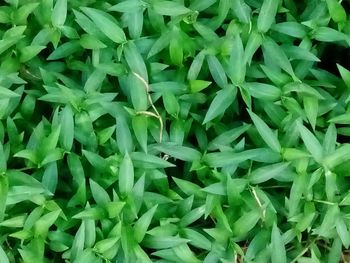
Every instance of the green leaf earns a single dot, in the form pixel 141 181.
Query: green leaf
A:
pixel 28 154
pixel 278 250
pixel 105 24
pixel 67 128
pixel 262 91
pixel 64 50
pixel 126 6
pixel 311 109
pixel 237 68
pixel 7 93
pixel 274 51
pixel 91 42
pixel 197 239
pixel 6 43
pixel 327 34
pixel 241 10
pixel 184 253
pixel 135 60
pixel 124 139
pixel 176 52
pixel 345 75
pixel 94 82
pixel 95 160
pixel 3 256
pixel 143 223
pixel 126 175
pixel 245 223
pixel 4 188
pixel 179 152
pixel 226 138
pixel 140 128
pixel 78 242
pixel 267 172
pixel 336 10
pixel 330 139
pixel 192 216
pixel 42 225
pixel 3 161
pixel 50 177
pixel 147 161
pixel 198 85
pixel 300 53
pixel 59 13
pixel 196 66
pixel 223 99
pixel 221 159
pixel 267 15
pixel 312 144
pixel 171 104
pixel 169 8
pixel 290 28
pixel 104 245
pixel 217 71
pixel 265 132
pixel 99 194
pixel 254 42
pixel 162 242
pixel 29 52
pixel 343 231
pixel 338 157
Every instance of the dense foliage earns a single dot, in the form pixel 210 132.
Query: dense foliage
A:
pixel 174 131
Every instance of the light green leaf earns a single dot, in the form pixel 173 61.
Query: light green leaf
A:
pixel 105 24
pixel 6 43
pixel 262 91
pixel 4 188
pixel 29 52
pixel 237 65
pixel 278 250
pixel 135 60
pixel 179 152
pixel 293 29
pixel 3 256
pixel 147 161
pixel 64 50
pixel 67 128
pixel 50 177
pixel 312 144
pixel 265 132
pixel 272 50
pixel 217 71
pixel 126 175
pixel 254 42
pixel 221 159
pixel 124 139
pixel 267 172
pixel 223 99
pixel 336 10
pixel 169 8
pixel 345 74
pixel 267 15
pixel 142 224
pixel 59 13
pixel 99 194
pixel 91 42
pixel 339 156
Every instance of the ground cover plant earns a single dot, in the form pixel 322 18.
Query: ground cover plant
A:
pixel 174 131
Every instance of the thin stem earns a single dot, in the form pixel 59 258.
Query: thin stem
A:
pixel 157 115
pixel 258 201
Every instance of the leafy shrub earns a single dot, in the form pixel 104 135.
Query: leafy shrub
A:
pixel 174 131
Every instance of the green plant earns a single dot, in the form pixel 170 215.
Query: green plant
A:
pixel 174 131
